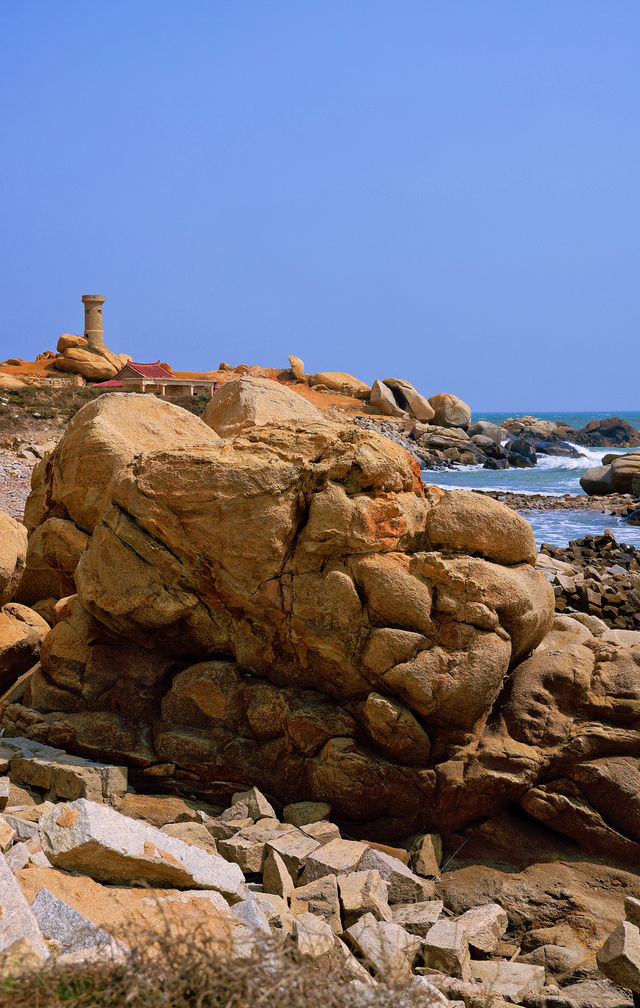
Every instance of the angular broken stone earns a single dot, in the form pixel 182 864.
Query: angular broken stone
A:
pixel 403 886
pixel 192 833
pixel 239 810
pixel 306 813
pixel 257 805
pixel 5 791
pixel 619 957
pixel 426 855
pixel 317 942
pixel 632 910
pixel 68 777
pixel 513 981
pixel 386 947
pixel 57 920
pixel 7 835
pixel 95 840
pixel 17 857
pixel 16 919
pixel 335 858
pixel 417 918
pixel 224 829
pixel 247 848
pixel 484 926
pixel 363 892
pixel 276 877
pixel 250 913
pixel 276 911
pixel 445 948
pixel 294 848
pixel 324 832
pixel 321 899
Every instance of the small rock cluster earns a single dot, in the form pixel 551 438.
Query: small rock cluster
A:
pixel 357 907
pixel 597 576
pixel 619 957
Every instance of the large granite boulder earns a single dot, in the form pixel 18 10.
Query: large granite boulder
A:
pixel 450 411
pixel 249 402
pixel 291 608
pixel 615 475
pixel 284 607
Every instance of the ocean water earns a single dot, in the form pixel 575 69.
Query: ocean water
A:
pixel 552 476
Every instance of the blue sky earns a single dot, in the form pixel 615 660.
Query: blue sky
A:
pixel 446 192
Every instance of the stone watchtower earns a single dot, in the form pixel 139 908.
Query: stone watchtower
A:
pixel 93 329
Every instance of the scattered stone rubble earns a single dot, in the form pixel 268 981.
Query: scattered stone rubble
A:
pixel 348 905
pixel 596 576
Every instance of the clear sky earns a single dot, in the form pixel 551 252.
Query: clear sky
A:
pixel 442 191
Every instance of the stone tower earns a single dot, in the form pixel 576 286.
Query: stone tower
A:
pixel 93 329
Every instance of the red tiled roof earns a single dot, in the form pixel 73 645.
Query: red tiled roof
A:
pixel 108 384
pixel 156 370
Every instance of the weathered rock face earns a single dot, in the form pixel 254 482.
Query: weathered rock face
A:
pixel 284 608
pixel 287 608
pixel 249 402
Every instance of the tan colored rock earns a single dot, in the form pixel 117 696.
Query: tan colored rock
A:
pixel 297 367
pixel 334 858
pixel 13 550
pixel 21 634
pixel 276 877
pixel 20 958
pixel 95 840
pixel 101 442
pixel 192 833
pixel 470 523
pixel 54 549
pixel 426 855
pixel 248 402
pixel 616 475
pixel 67 341
pixel 92 366
pixel 285 607
pixel 384 946
pixel 409 399
pixel 339 381
pixel 321 899
pixel 363 892
pixel 382 398
pixel 306 813
pixel 450 411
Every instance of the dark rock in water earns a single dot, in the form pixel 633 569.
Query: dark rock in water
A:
pixel 496 463
pixel 634 517
pixel 520 453
pixel 611 432
pixel 560 448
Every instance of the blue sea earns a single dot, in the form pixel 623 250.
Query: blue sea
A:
pixel 552 475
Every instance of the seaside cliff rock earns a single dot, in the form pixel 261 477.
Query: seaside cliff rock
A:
pixel 289 608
